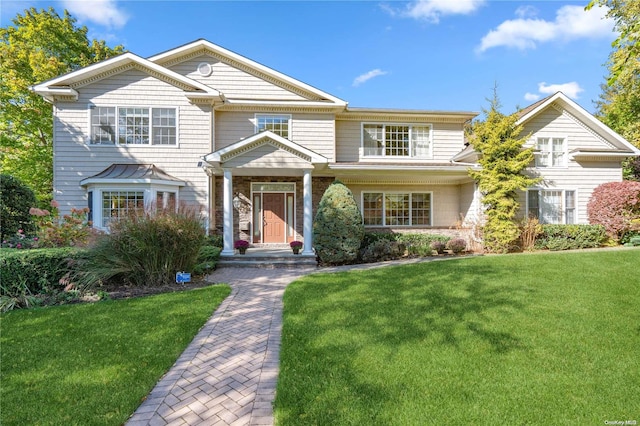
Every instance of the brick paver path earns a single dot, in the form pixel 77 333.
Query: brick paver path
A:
pixel 227 375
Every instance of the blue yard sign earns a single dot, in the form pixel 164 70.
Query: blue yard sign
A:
pixel 183 277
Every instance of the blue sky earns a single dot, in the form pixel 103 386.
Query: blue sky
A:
pixel 427 54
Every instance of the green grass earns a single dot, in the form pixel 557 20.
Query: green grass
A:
pixel 93 364
pixel 549 338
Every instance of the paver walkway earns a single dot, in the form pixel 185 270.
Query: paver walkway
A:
pixel 227 375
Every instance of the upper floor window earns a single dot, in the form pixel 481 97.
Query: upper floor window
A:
pixel 396 209
pixel 133 126
pixel 551 152
pixel 396 140
pixel 552 206
pixel 278 124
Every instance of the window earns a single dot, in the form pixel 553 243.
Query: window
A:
pixel 396 209
pixel 552 206
pixel 165 200
pixel 117 204
pixel 135 126
pixel 396 140
pixel 551 152
pixel 278 124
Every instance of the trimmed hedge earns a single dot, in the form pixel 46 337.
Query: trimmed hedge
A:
pixel 570 237
pixel 39 269
pixel 416 244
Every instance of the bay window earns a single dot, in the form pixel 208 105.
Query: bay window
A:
pixel 396 140
pixel 396 209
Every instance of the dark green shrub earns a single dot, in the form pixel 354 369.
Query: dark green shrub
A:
pixel 145 250
pixel 633 241
pixel 15 201
pixel 382 250
pixel 457 245
pixel 207 259
pixel 337 229
pixel 570 237
pixel 27 277
pixel 214 240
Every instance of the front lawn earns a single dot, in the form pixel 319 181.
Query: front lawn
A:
pixel 92 364
pixel 546 338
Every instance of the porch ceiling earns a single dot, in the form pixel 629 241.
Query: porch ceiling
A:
pixel 389 174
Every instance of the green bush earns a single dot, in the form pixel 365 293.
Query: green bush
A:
pixel 337 229
pixel 145 250
pixel 416 244
pixel 207 259
pixel 27 275
pixel 382 250
pixel 457 245
pixel 15 201
pixel 570 237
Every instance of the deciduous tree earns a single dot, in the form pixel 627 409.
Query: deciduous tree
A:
pixel 38 46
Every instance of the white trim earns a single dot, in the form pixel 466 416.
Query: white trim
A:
pixel 286 222
pixel 383 156
pixel 563 190
pixel 410 193
pixel 565 151
pixel 275 115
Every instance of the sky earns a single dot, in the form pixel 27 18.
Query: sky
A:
pixel 445 55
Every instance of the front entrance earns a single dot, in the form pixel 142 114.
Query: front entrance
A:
pixel 274 212
pixel 273 218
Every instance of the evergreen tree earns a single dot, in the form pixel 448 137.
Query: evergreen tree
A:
pixel 338 229
pixel 501 178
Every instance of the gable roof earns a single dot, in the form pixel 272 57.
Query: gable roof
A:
pixel 202 46
pixel 582 115
pixel 66 85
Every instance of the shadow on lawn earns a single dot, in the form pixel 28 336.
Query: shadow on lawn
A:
pixel 377 318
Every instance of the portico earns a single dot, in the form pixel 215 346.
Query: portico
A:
pixel 271 169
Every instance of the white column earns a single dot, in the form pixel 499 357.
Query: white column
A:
pixel 227 221
pixel 308 215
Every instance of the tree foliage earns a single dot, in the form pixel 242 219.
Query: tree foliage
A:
pixel 337 229
pixel 38 46
pixel 619 104
pixel 616 206
pixel 501 178
pixel 15 201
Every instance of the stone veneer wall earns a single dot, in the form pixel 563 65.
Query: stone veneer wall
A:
pixel 242 188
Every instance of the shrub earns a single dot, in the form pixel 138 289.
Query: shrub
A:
pixel 207 259
pixel 72 230
pixel 15 200
pixel 530 229
pixel 457 245
pixel 438 246
pixel 382 250
pixel 337 229
pixel 570 237
pixel 27 275
pixel 416 244
pixel 615 205
pixel 145 250
pixel 214 240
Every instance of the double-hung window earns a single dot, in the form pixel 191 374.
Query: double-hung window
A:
pixel 552 206
pixel 278 124
pixel 551 152
pixel 396 140
pixel 133 126
pixel 396 209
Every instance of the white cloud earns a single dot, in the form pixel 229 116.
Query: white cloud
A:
pixel 526 12
pixel 102 12
pixel 432 10
pixel 571 89
pixel 368 76
pixel 571 22
pixel 531 97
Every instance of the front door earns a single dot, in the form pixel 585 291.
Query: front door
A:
pixel 273 218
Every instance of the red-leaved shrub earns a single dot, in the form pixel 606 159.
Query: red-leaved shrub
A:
pixel 616 206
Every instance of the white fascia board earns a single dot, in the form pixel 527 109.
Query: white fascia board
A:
pixel 115 62
pixel 245 61
pixel 215 157
pixel 583 115
pixel 586 154
pixel 49 93
pixel 230 103
pixel 99 181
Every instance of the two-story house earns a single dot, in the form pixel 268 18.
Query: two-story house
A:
pixel 256 149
